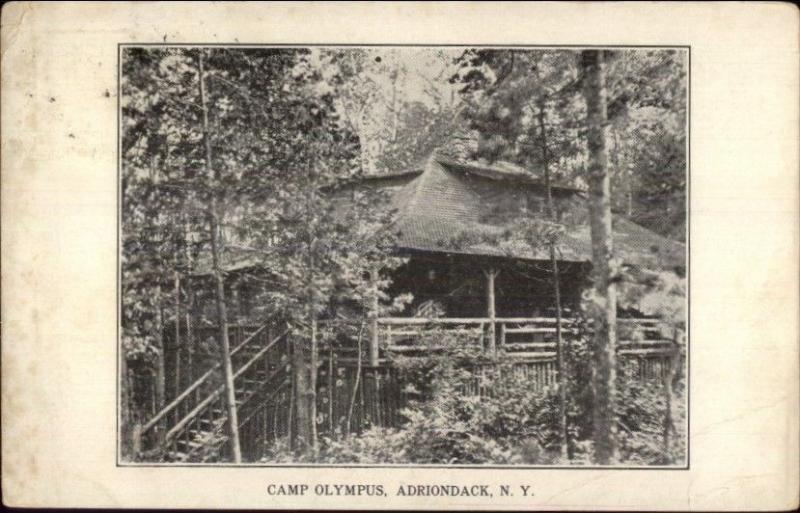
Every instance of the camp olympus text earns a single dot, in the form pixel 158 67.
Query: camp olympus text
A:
pixel 377 490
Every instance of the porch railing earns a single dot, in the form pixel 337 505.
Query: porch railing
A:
pixel 524 337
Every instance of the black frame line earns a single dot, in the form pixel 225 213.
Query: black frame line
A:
pixel 687 467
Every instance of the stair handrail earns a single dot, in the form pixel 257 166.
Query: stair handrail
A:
pixel 202 379
pixel 213 395
pixel 280 387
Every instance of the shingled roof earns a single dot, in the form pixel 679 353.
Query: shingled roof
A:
pixel 457 206
pixel 472 207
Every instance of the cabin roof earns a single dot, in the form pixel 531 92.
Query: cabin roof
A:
pixel 456 206
pixel 472 207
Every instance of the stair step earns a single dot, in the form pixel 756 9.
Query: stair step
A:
pixel 192 444
pixel 196 433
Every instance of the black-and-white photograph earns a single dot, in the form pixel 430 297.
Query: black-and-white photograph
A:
pixel 403 255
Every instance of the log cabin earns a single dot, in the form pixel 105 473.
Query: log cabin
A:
pixel 466 270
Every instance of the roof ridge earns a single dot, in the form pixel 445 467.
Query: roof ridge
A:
pixel 495 171
pixel 412 202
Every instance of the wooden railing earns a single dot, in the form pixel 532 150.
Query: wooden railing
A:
pixel 533 337
pixel 645 343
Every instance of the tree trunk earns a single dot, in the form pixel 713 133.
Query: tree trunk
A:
pixel 395 116
pixel 561 368
pixel 125 434
pixel 305 367
pixel 302 432
pixel 187 287
pixel 669 377
pixel 160 384
pixel 356 383
pixel 189 332
pixel 313 384
pixel 178 347
pixel 222 312
pixel 604 268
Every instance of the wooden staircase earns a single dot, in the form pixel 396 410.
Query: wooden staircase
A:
pixel 191 428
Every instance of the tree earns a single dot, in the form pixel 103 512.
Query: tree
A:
pixel 214 219
pixel 396 102
pixel 152 246
pixel 605 272
pixel 647 118
pixel 207 120
pixel 512 97
pixel 536 108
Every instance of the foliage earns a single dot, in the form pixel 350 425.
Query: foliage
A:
pixel 506 92
pixel 641 410
pixel 284 163
pixel 478 410
pixel 164 184
pixel 397 102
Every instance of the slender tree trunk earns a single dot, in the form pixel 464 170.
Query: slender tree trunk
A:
pixel 222 312
pixel 614 169
pixel 669 377
pixel 356 383
pixel 604 268
pixel 127 441
pixel 330 386
pixel 160 384
pixel 560 365
pixel 302 434
pixel 187 285
pixel 290 430
pixel 178 347
pixel 395 116
pixel 628 183
pixel 305 360
pixel 313 384
pixel 189 332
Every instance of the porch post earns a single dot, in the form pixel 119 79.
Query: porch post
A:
pixel 490 305
pixel 374 334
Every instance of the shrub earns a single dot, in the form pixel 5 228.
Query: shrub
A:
pixel 475 409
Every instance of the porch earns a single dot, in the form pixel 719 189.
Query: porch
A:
pixel 533 339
